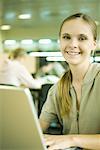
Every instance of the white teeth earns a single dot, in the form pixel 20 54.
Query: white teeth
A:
pixel 73 53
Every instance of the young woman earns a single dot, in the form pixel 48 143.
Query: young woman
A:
pixel 75 100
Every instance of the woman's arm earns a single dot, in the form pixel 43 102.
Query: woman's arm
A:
pixel 91 142
pixel 87 141
pixel 26 79
pixel 44 125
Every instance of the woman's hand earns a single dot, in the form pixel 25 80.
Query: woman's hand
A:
pixel 57 142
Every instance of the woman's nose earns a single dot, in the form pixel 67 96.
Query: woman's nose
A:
pixel 73 43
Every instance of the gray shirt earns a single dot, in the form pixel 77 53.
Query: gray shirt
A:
pixel 89 113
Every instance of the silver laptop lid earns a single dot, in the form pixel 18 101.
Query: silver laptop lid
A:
pixel 19 126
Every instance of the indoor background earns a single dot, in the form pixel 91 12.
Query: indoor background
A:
pixel 34 24
pixel 43 17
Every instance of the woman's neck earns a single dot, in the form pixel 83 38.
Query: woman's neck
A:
pixel 79 72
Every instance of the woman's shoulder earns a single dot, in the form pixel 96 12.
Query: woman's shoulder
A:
pixel 96 65
pixel 53 87
pixel 53 90
pixel 95 70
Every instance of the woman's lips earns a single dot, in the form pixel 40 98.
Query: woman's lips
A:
pixel 72 53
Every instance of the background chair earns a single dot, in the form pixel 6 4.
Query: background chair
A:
pixel 42 96
pixel 55 127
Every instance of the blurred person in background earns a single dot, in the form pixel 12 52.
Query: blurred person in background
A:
pixel 13 72
pixel 50 71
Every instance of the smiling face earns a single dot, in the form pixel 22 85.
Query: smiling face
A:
pixel 76 41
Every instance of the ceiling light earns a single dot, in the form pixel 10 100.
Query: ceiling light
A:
pixel 5 27
pixel 45 41
pixel 9 42
pixel 97 59
pixel 27 41
pixel 54 58
pixel 45 54
pixel 24 16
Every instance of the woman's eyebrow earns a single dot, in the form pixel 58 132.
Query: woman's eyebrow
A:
pixel 83 35
pixel 65 34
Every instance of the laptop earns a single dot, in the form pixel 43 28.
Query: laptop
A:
pixel 19 125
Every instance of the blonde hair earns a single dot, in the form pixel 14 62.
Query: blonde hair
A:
pixel 84 17
pixel 19 52
pixel 64 93
pixel 65 82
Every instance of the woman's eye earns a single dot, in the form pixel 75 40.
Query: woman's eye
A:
pixel 66 37
pixel 82 38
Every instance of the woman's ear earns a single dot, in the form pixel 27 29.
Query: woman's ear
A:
pixel 94 45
